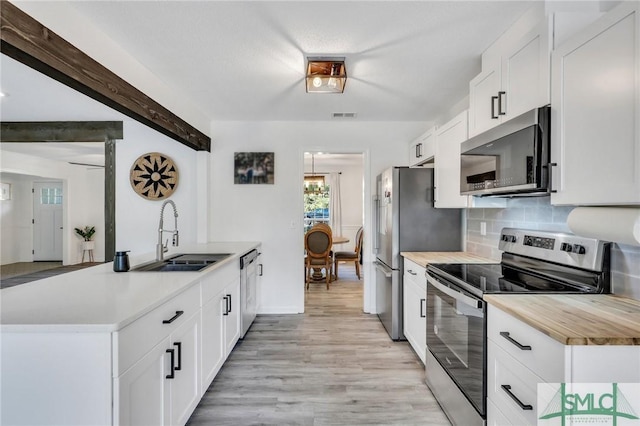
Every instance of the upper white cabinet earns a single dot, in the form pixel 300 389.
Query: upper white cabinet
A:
pixel 448 138
pixel 596 112
pixel 422 149
pixel 514 79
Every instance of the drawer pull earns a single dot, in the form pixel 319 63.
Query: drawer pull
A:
pixel 423 302
pixel 226 305
pixel 173 318
pixel 411 272
pixel 522 347
pixel 179 345
pixel 507 389
pixel 229 303
pixel 173 364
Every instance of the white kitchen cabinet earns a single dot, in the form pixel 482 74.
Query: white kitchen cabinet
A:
pixel 448 138
pixel 220 320
pixel 422 149
pixel 514 80
pixel 414 307
pixel 596 112
pixel 519 357
pixel 163 386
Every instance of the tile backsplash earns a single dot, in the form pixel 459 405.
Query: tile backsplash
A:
pixel 538 213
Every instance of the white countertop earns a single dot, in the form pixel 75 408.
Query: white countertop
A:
pixel 96 299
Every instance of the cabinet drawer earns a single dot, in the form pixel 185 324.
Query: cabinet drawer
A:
pixel 495 417
pixel 214 282
pixel 415 271
pixel 504 370
pixel 545 356
pixel 136 339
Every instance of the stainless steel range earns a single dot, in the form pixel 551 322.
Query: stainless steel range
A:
pixel 532 262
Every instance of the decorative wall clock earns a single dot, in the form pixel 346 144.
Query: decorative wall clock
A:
pixel 154 176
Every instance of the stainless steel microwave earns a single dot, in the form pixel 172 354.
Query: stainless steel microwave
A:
pixel 511 159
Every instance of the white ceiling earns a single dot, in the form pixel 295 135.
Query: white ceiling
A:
pixel 242 60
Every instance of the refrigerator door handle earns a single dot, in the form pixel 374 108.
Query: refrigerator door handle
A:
pixel 384 269
pixel 376 221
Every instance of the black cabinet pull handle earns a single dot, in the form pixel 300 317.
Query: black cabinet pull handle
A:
pixel 422 303
pixel 507 389
pixel 260 265
pixel 229 303
pixel 411 272
pixel 179 345
pixel 173 318
pixel 493 107
pixel 173 364
pixel 419 150
pixel 520 346
pixel 226 306
pixel 500 95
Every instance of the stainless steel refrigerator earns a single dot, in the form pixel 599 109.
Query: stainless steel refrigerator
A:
pixel 406 220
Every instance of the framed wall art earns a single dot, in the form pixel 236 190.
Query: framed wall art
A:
pixel 253 168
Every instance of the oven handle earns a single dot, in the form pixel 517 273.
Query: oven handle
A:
pixel 384 269
pixel 475 303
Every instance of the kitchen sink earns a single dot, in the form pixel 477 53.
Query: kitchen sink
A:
pixel 183 263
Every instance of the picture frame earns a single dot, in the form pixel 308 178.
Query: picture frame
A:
pixel 5 191
pixel 253 168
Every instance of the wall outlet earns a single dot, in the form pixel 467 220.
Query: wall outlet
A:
pixel 483 228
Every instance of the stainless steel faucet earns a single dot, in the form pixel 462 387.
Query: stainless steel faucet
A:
pixel 160 248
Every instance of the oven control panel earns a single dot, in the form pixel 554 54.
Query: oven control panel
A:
pixel 558 247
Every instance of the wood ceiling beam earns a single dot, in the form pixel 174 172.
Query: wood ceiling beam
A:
pixel 28 41
pixel 60 131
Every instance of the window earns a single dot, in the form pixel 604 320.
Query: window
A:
pixel 316 205
pixel 51 196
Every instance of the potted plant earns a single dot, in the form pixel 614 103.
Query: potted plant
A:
pixel 86 233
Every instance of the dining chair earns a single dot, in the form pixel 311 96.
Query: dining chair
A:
pixel 317 243
pixel 350 256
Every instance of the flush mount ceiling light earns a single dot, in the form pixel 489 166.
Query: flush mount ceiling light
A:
pixel 325 75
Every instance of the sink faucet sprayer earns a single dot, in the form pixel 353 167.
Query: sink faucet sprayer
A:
pixel 160 248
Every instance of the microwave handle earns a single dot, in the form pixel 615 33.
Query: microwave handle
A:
pixel 474 303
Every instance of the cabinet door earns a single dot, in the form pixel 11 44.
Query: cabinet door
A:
pixel 483 101
pixel 142 392
pixel 232 317
pixel 422 149
pixel 212 341
pixel 525 73
pixel 596 112
pixel 185 386
pixel 415 320
pixel 447 164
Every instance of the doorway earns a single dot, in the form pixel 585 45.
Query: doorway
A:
pixel 47 221
pixel 334 194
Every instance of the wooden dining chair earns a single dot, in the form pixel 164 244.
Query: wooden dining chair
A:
pixel 317 243
pixel 350 256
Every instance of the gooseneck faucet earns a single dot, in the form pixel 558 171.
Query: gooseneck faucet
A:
pixel 160 248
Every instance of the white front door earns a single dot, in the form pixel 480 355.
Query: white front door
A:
pixel 47 221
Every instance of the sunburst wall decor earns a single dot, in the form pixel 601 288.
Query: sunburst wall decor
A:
pixel 154 176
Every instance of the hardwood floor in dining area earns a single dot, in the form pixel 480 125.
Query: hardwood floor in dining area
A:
pixel 332 365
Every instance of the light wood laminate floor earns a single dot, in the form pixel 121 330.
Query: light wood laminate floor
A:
pixel 332 365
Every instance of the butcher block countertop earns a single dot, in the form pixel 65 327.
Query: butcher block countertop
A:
pixel 423 258
pixel 577 319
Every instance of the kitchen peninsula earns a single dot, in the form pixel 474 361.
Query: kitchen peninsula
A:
pixel 99 347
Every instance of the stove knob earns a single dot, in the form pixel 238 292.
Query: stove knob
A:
pixel 566 247
pixel 577 248
pixel 512 238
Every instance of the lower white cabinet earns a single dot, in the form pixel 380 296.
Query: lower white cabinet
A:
pixel 519 357
pixel 220 322
pixel 163 388
pixel 414 307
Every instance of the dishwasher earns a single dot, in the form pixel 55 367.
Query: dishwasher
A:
pixel 248 290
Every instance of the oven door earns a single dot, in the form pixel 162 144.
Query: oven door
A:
pixel 456 337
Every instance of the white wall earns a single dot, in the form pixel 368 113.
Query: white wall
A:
pixel 82 203
pixel 272 214
pixel 136 217
pixel 15 220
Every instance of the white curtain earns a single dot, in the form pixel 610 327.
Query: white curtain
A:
pixel 335 205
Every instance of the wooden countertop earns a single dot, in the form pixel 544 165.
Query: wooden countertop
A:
pixel 577 319
pixel 423 258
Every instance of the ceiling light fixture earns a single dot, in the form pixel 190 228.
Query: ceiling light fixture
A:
pixel 326 75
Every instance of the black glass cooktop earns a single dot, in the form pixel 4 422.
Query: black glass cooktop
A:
pixel 500 278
